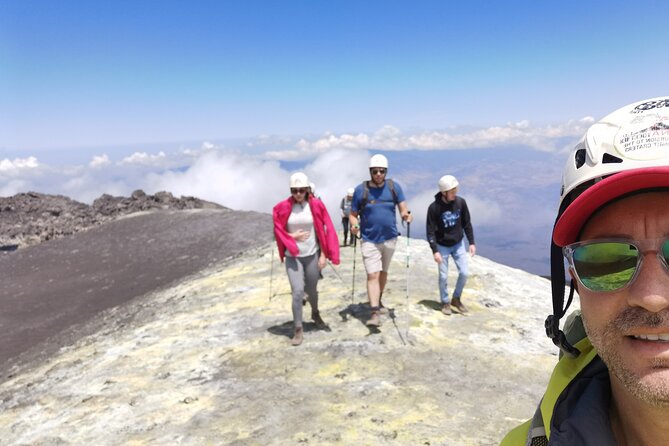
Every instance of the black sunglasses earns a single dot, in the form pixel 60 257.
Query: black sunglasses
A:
pixel 378 171
pixel 298 190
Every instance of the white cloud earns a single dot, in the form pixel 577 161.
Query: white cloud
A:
pixel 245 182
pixel 206 146
pixel 498 187
pixel 15 167
pixel 418 205
pixel 487 212
pixel 88 187
pixel 99 161
pixel 144 159
pixel 333 173
pixel 231 179
pixel 391 138
pixel 14 187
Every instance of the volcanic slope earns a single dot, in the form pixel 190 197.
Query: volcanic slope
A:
pixel 208 360
pixel 49 289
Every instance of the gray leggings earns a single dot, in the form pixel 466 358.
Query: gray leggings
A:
pixel 303 274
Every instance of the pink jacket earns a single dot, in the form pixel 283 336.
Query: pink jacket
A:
pixel 325 231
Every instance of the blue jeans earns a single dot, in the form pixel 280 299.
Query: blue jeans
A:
pixel 459 254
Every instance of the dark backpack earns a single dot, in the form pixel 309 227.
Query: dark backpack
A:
pixel 365 194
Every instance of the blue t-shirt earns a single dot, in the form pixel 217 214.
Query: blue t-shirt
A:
pixel 378 222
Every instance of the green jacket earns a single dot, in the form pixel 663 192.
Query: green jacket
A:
pixel 575 404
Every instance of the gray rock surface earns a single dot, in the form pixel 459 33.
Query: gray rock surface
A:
pixel 30 218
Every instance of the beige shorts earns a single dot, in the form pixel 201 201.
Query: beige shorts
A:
pixel 377 256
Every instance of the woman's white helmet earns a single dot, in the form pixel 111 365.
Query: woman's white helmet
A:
pixel 299 179
pixel 312 186
pixel 626 151
pixel 378 161
pixel 447 182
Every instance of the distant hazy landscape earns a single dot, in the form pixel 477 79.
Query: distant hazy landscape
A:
pixel 511 191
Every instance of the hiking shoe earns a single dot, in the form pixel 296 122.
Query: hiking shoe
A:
pixel 458 305
pixel 375 320
pixel 297 337
pixel 382 309
pixel 446 309
pixel 316 317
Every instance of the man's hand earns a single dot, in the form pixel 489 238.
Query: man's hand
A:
pixel 355 226
pixel 437 257
pixel 407 217
pixel 472 250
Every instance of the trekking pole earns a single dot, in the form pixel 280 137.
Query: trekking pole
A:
pixel 336 272
pixel 271 272
pixel 407 285
pixel 355 245
pixel 391 313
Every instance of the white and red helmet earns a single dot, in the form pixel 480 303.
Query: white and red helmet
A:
pixel 626 151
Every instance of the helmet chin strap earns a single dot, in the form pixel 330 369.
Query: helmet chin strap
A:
pixel 552 323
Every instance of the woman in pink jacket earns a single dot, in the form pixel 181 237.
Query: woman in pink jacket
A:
pixel 306 239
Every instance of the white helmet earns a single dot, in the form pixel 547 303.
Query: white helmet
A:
pixel 299 180
pixel 378 161
pixel 626 151
pixel 312 186
pixel 350 191
pixel 632 143
pixel 447 182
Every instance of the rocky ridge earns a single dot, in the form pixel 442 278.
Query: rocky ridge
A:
pixel 30 218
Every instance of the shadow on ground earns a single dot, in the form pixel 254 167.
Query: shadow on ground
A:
pixel 286 329
pixel 431 304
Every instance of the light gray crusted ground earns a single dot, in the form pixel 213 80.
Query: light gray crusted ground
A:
pixel 208 362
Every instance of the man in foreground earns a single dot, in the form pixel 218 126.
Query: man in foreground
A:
pixel 611 385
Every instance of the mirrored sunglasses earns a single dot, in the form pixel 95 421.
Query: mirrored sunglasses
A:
pixel 379 171
pixel 298 190
pixel 607 265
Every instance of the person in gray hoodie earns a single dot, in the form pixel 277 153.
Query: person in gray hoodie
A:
pixel 448 221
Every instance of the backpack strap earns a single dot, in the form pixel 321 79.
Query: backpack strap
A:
pixel 536 436
pixel 365 194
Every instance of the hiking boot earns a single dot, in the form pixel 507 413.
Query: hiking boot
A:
pixel 316 317
pixel 297 337
pixel 458 305
pixel 375 320
pixel 446 309
pixel 382 309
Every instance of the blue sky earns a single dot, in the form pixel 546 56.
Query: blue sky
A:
pixel 208 97
pixel 121 72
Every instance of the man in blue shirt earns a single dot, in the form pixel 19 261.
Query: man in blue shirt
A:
pixel 373 215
